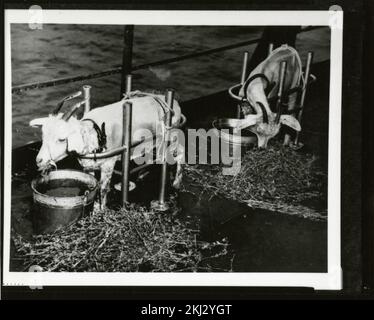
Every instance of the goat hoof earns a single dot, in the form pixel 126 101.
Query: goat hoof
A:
pixel 295 146
pixel 177 183
pixel 97 207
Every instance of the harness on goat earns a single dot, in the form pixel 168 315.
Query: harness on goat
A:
pixel 137 93
pixel 250 79
pixel 268 89
pixel 101 135
pixel 269 86
pixel 164 107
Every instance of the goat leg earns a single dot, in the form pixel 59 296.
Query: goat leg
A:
pixel 180 153
pixel 107 169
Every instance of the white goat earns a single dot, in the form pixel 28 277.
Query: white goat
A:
pixel 265 123
pixel 64 134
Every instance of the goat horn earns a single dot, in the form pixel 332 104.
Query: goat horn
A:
pixel 264 113
pixel 74 108
pixel 61 103
pixel 59 106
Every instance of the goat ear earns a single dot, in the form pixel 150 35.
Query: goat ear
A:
pixel 38 122
pixel 248 121
pixel 290 121
pixel 75 143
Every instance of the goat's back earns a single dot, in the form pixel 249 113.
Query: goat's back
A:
pixel 146 115
pixel 270 67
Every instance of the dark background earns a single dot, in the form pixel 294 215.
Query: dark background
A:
pixel 357 158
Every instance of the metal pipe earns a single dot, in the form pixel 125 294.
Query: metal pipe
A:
pixel 104 155
pixel 87 98
pixel 282 77
pixel 128 39
pixel 114 152
pixel 242 79
pixel 164 170
pixel 126 142
pixel 119 150
pixel 161 204
pixel 303 92
pixel 244 67
pixel 128 83
pixel 271 47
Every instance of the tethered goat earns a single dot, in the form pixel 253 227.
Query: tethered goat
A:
pixel 263 84
pixel 100 129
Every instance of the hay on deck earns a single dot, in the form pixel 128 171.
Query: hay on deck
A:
pixel 277 174
pixel 132 239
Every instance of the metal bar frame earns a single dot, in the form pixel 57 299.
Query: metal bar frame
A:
pixel 119 150
pixel 242 79
pixel 126 136
pixel 303 93
pixel 280 94
pixel 312 78
pixel 128 86
pixel 126 141
pixel 87 98
pixel 271 48
pixel 128 41
pixel 161 204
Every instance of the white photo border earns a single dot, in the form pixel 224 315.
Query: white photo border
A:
pixel 331 280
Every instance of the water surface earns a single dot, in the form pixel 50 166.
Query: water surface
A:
pixel 60 50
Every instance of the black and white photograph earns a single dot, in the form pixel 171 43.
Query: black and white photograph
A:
pixel 172 148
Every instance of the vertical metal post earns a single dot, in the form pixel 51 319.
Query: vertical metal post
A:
pixel 244 67
pixel 128 83
pixel 271 48
pixel 128 39
pixel 87 98
pixel 161 204
pixel 282 77
pixel 242 79
pixel 126 141
pixel 303 93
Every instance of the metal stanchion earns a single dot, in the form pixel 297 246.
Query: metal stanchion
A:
pixel 282 77
pixel 128 40
pixel 244 67
pixel 128 83
pixel 126 141
pixel 271 48
pixel 303 93
pixel 87 98
pixel 242 79
pixel 160 204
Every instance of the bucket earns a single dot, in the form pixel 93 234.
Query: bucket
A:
pixel 61 198
pixel 233 143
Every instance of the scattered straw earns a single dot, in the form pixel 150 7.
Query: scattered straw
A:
pixel 132 239
pixel 276 174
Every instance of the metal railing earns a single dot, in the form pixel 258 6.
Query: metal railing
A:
pixel 118 69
